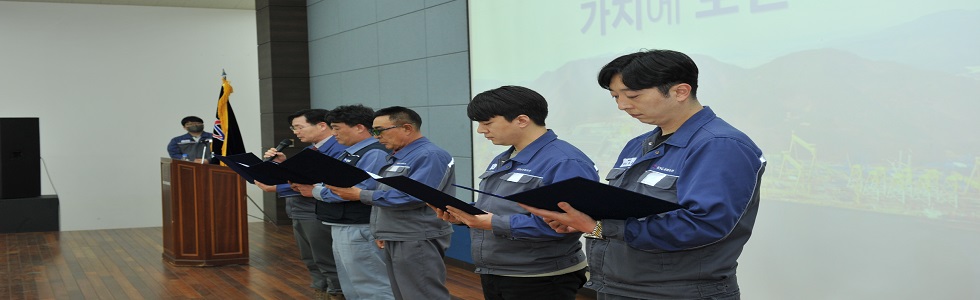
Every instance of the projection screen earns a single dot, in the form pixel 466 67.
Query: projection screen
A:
pixel 865 110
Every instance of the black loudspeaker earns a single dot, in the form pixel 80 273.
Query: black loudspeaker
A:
pixel 33 214
pixel 20 158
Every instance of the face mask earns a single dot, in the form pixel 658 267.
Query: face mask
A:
pixel 196 128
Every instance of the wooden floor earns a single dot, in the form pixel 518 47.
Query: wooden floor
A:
pixel 127 264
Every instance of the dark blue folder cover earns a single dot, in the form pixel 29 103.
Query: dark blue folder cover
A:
pixel 598 200
pixel 428 194
pixel 321 168
pixel 306 167
pixel 251 168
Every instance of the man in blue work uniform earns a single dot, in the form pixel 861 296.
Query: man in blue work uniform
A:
pixel 413 238
pixel 359 261
pixel 312 238
pixel 693 158
pixel 196 143
pixel 517 254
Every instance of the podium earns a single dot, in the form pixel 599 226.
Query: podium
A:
pixel 204 214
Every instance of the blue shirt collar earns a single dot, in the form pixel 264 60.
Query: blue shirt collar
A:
pixel 525 155
pixel 360 145
pixel 320 144
pixel 403 152
pixel 683 135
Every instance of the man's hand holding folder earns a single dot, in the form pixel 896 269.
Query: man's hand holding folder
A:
pixel 303 189
pixel 458 216
pixel 346 193
pixel 570 221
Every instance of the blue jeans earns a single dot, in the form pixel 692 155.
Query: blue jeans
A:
pixel 359 264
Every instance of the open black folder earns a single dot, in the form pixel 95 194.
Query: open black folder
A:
pixel 428 194
pixel 325 169
pixel 307 167
pixel 247 166
pixel 598 200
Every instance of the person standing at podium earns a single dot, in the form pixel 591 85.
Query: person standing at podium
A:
pixel 313 238
pixel 195 144
pixel 517 255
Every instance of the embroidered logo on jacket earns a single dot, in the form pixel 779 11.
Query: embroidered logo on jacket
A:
pixel 659 168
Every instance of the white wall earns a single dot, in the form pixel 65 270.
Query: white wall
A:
pixel 110 84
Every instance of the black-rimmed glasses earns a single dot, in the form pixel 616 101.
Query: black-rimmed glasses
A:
pixel 378 131
pixel 297 128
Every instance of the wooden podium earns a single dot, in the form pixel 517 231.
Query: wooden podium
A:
pixel 204 214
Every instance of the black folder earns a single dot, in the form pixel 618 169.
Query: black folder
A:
pixel 237 166
pixel 251 168
pixel 281 175
pixel 307 167
pixel 321 168
pixel 428 194
pixel 598 200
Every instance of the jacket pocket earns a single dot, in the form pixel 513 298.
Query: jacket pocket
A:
pixel 659 185
pixel 615 175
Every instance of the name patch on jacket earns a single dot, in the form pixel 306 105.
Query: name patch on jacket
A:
pixel 627 162
pixel 397 168
pixel 519 177
pixel 657 179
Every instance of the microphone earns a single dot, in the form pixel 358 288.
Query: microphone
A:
pixel 204 150
pixel 282 145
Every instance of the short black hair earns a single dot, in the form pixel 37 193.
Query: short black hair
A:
pixel 352 115
pixel 189 119
pixel 401 115
pixel 661 69
pixel 313 115
pixel 509 102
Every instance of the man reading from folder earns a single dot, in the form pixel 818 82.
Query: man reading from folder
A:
pixel 359 262
pixel 693 158
pixel 413 238
pixel 312 237
pixel 517 255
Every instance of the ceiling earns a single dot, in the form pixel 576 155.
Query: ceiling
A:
pixel 224 4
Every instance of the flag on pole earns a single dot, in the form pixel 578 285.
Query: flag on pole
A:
pixel 227 136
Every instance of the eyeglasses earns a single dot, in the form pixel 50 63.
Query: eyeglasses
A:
pixel 377 131
pixel 296 128
pixel 192 123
